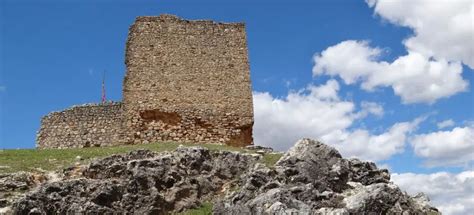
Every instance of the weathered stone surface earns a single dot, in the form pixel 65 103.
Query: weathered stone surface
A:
pixel 89 125
pixel 367 172
pixel 20 181
pixel 186 81
pixel 13 185
pixel 259 149
pixel 313 178
pixel 141 182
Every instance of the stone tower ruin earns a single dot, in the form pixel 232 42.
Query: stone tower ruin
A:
pixel 186 81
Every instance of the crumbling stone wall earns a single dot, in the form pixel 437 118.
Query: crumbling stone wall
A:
pixel 187 81
pixel 82 126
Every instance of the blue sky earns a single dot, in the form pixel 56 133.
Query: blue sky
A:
pixel 53 54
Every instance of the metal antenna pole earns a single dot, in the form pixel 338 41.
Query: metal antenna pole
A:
pixel 103 88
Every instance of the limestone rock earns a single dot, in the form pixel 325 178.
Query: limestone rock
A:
pixel 12 185
pixel 16 181
pixel 314 178
pixel 259 149
pixel 311 178
pixel 140 182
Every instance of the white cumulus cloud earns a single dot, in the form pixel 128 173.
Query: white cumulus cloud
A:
pixel 318 112
pixel 453 194
pixel 371 108
pixel 442 29
pixel 413 77
pixel 313 112
pixel 446 148
pixel 361 143
pixel 445 124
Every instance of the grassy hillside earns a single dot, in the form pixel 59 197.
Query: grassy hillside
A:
pixel 55 159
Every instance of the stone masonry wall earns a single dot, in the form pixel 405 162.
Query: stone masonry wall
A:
pixel 82 126
pixel 187 81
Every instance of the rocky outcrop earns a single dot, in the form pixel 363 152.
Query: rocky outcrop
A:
pixel 311 178
pixel 140 182
pixel 13 185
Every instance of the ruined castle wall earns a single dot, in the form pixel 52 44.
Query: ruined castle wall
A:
pixel 187 81
pixel 82 126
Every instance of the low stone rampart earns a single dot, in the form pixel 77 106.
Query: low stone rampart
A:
pixel 89 125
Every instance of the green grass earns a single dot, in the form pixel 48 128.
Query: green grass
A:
pixel 271 159
pixel 55 159
pixel 205 209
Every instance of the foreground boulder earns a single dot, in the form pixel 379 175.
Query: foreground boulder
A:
pixel 311 178
pixel 140 182
pixel 13 185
